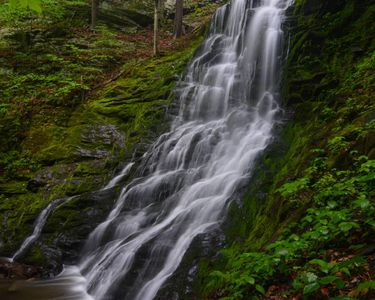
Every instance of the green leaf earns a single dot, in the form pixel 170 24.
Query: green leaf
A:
pixel 324 266
pixel 260 289
pixel 290 188
pixel 308 289
pixel 283 252
pixel 327 280
pixel 368 177
pixel 297 284
pixel 367 166
pixel 332 204
pixel 294 237
pixel 345 271
pixel 346 226
pixel 340 284
pixel 249 279
pixel 308 219
pixel 361 202
pixel 366 285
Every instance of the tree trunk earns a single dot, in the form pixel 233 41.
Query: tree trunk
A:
pixel 161 11
pixel 178 18
pixel 156 27
pixel 94 13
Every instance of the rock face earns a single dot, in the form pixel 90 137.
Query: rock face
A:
pixel 68 226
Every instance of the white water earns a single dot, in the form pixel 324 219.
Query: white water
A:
pixel 227 112
pixel 43 216
pixel 125 171
pixel 68 285
pixel 38 227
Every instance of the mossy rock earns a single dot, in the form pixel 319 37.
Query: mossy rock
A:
pixel 11 188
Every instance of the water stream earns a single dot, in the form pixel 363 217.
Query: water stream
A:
pixel 228 107
pixel 228 103
pixel 38 226
pixel 43 216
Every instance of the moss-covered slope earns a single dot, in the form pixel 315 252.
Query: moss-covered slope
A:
pixel 306 225
pixel 75 106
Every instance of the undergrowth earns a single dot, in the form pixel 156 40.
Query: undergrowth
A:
pixel 321 254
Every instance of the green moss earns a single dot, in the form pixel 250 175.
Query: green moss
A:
pixel 18 212
pixel 140 97
pixel 96 167
pixel 36 257
pixel 71 143
pixel 15 187
pixel 328 88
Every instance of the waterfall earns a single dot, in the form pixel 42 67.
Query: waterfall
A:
pixel 228 106
pixel 38 226
pixel 125 171
pixel 43 216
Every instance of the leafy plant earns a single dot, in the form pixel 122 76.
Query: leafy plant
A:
pixel 299 252
pixel 293 187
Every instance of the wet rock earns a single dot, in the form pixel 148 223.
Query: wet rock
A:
pixel 69 225
pixel 14 270
pixel 86 153
pixel 103 134
pixel 182 284
pixel 97 141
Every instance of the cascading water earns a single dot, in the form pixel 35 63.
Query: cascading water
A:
pixel 38 227
pixel 43 216
pixel 227 112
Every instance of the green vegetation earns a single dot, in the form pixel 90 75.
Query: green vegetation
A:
pixel 312 256
pixel 33 5
pixel 306 227
pixel 75 104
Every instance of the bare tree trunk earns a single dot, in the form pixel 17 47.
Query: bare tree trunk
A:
pixel 177 32
pixel 94 13
pixel 156 27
